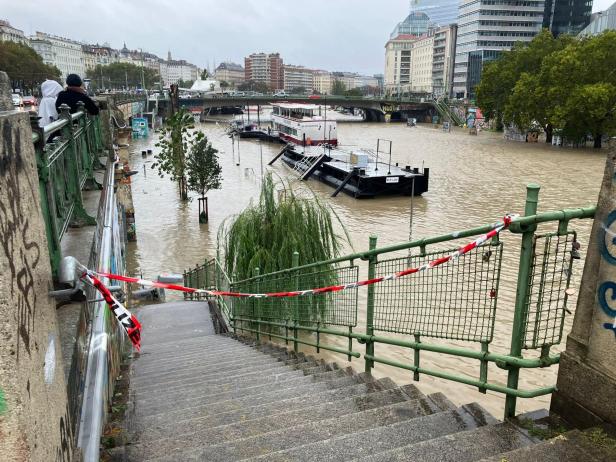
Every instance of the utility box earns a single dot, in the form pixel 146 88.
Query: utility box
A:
pixel 359 160
pixel 140 127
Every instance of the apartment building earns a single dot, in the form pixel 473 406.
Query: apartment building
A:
pixel 265 68
pixel 230 72
pixel 322 82
pixel 9 33
pixel 66 54
pixel 296 77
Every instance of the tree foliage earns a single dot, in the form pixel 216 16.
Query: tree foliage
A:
pixel 251 85
pixel 175 139
pixel 266 234
pixel 122 75
pixel 338 87
pixel 185 83
pixel 24 66
pixel 202 167
pixel 566 83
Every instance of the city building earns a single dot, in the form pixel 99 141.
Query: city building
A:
pixel 440 12
pixel 230 72
pixel 443 59
pixel 416 24
pixel 380 78
pixel 9 33
pixel 103 55
pixel 397 77
pixel 172 71
pixel 601 21
pixel 265 68
pixel 322 82
pixel 297 77
pixel 566 16
pixel 422 53
pixel 66 54
pixel 485 30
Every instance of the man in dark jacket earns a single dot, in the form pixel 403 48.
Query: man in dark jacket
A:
pixel 73 94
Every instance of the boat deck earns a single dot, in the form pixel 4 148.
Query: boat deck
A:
pixel 372 170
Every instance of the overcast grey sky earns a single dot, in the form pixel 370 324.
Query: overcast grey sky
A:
pixel 346 35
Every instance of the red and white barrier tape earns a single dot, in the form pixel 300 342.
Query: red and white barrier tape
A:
pixel 498 227
pixel 127 320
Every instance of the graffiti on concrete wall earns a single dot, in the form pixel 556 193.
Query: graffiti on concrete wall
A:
pixel 606 293
pixel 21 254
pixel 64 451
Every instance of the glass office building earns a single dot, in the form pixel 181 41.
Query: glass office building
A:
pixel 440 12
pixel 566 16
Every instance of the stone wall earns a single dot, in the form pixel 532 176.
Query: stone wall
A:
pixel 34 417
pixel 586 383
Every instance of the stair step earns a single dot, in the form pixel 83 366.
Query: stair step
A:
pixel 465 446
pixel 213 377
pixel 284 440
pixel 248 407
pixel 573 446
pixel 261 418
pixel 262 393
pixel 345 412
pixel 359 442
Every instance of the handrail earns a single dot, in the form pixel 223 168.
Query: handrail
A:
pixel 407 306
pixel 517 223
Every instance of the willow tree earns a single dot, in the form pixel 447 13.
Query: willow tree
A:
pixel 265 234
pixel 174 141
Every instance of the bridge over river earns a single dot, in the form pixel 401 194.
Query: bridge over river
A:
pixel 222 377
pixel 375 108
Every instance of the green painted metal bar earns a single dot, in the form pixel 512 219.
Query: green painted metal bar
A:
pixel 370 305
pixel 516 226
pixel 469 381
pixel 354 354
pixel 519 315
pixel 499 359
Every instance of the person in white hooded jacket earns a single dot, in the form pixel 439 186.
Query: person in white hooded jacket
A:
pixel 47 107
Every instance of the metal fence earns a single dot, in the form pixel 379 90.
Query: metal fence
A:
pixel 67 153
pixel 456 301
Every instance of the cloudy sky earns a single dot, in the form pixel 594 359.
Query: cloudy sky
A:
pixel 345 35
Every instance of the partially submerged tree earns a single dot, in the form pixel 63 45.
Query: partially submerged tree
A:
pixel 203 171
pixel 174 140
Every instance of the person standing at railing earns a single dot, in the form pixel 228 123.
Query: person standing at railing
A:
pixel 74 93
pixel 47 107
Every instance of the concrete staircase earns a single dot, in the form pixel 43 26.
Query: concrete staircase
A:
pixel 195 395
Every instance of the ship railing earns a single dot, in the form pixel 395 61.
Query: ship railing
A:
pixel 449 310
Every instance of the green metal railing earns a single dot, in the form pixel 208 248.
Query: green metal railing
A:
pixel 456 301
pixel 67 152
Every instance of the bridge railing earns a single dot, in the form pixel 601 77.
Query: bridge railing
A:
pixel 456 302
pixel 67 153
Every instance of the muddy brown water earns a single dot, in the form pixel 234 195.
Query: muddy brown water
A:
pixel 474 180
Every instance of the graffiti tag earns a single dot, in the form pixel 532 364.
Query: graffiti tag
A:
pixel 607 247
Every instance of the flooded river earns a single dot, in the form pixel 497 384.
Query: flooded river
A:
pixel 474 180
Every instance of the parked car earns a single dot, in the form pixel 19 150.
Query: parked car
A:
pixel 16 97
pixel 281 93
pixel 314 97
pixel 29 101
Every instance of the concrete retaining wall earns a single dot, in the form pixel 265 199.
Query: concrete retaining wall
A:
pixel 34 417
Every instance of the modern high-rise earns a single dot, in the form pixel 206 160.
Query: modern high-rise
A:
pixel 443 59
pixel 265 68
pixel 601 21
pixel 440 12
pixel 415 23
pixel 485 29
pixel 566 16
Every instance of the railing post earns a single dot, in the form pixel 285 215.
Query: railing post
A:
pixel 80 216
pixel 370 306
pixel 46 191
pixel 295 264
pixel 519 316
pixel 257 305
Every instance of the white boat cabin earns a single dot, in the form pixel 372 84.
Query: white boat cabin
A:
pixel 304 124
